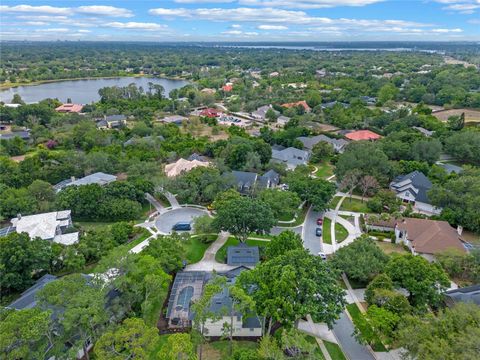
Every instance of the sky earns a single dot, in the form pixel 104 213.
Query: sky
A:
pixel 240 20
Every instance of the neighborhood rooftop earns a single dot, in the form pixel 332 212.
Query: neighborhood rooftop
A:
pixel 99 178
pixel 28 298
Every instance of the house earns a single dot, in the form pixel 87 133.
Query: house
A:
pixel 370 101
pixel 188 287
pixel 99 178
pixel 150 140
pixel 243 255
pixel 70 108
pixel 301 103
pixel 362 135
pixel 227 87
pixel 112 122
pixel 413 188
pixel 52 226
pixel 261 113
pixel 310 142
pixel 291 157
pixel 174 119
pixel 246 182
pixel 384 222
pixel 183 165
pixel 208 91
pixel 210 113
pixel 428 237
pixel 24 135
pixel 282 120
pixel 197 157
pixel 331 104
pixel 27 299
pixel 424 131
pixel 469 294
pixel 274 74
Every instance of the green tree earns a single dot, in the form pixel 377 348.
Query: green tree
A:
pixel 283 203
pixel 384 201
pixel 178 347
pixel 283 243
pixel 424 281
pixel 25 334
pixel 291 286
pixel 132 339
pixel 321 151
pixel 168 250
pixel 270 115
pixel 361 260
pixel 456 122
pixel 383 322
pixel 269 349
pixel 317 192
pixel 83 309
pixel 20 259
pixel 453 334
pixel 243 216
pixel 381 281
pixel 464 146
pixel 387 92
pixel 224 197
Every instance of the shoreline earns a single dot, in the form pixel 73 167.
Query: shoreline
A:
pixel 40 82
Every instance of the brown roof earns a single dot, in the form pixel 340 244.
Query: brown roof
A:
pixel 431 236
pixel 362 135
pixel 378 221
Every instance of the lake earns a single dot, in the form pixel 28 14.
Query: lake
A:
pixel 83 91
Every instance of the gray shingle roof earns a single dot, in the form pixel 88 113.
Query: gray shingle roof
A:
pixel 27 300
pixel 310 142
pixel 470 294
pixel 450 168
pixel 243 254
pixel 419 181
pixel 25 135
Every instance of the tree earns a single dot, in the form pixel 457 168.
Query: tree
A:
pixel 453 334
pixel 242 303
pixel 459 265
pixel 350 181
pixel 368 184
pixel 383 321
pixel 178 347
pixel 83 309
pixel 384 201
pixel 25 334
pixel 17 99
pixel 20 259
pixel 168 250
pixel 121 232
pixel 391 300
pixel 224 197
pixel 456 122
pixel 269 349
pixel 464 146
pixel 270 115
pixel 321 151
pixel 243 216
pixel 202 225
pixel 381 281
pixel 387 92
pixel 132 339
pixel 283 203
pixel 361 260
pixel 283 243
pixel 317 192
pixel 424 281
pixel 291 286
pixel 427 150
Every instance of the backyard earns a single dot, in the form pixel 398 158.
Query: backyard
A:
pixel 324 169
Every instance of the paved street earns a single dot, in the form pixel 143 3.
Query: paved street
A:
pixel 277 230
pixel 164 222
pixel 311 241
pixel 343 330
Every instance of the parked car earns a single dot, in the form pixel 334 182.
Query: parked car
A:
pixel 182 226
pixel 322 255
pixel 318 231
pixel 319 221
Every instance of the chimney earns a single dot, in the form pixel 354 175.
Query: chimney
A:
pixel 72 179
pixel 19 216
pixel 459 230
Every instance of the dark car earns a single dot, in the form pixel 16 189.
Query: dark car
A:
pixel 319 221
pixel 182 226
pixel 318 231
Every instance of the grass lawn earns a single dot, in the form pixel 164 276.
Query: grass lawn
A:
pixel 301 213
pixel 220 350
pixel 325 169
pixel 195 248
pixel 221 254
pixel 317 354
pixel 91 225
pixel 333 203
pixel 326 231
pixel 334 350
pixel 354 205
pixel 340 233
pixel 389 248
pixel 364 327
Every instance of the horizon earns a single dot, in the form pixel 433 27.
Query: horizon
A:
pixel 241 21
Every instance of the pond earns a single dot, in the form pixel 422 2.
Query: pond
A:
pixel 83 91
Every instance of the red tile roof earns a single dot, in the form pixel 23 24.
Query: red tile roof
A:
pixel 227 88
pixel 210 112
pixel 298 103
pixel 362 135
pixel 70 108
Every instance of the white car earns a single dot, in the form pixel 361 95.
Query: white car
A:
pixel 322 255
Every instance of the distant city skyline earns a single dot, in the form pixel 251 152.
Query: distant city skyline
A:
pixel 241 20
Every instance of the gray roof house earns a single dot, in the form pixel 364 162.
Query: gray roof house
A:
pixel 246 181
pixel 27 300
pixel 424 131
pixel 188 287
pixel 243 255
pixel 47 226
pixel 99 178
pixel 261 112
pixel 469 294
pixel 292 157
pixel 310 142
pixel 150 140
pixel 413 188
pixel 450 168
pixel 24 135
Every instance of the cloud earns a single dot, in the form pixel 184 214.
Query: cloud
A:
pixel 55 30
pixel 236 26
pixel 308 4
pixel 36 23
pixel 44 9
pixel 461 6
pixel 272 27
pixel 84 31
pixel 101 10
pixel 136 26
pixel 240 33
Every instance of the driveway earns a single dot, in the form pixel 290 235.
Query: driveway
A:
pixel 208 262
pixel 312 242
pixel 164 222
pixel 278 229
pixel 343 330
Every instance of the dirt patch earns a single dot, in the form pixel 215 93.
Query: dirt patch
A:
pixel 18 158
pixel 470 115
pixel 210 353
